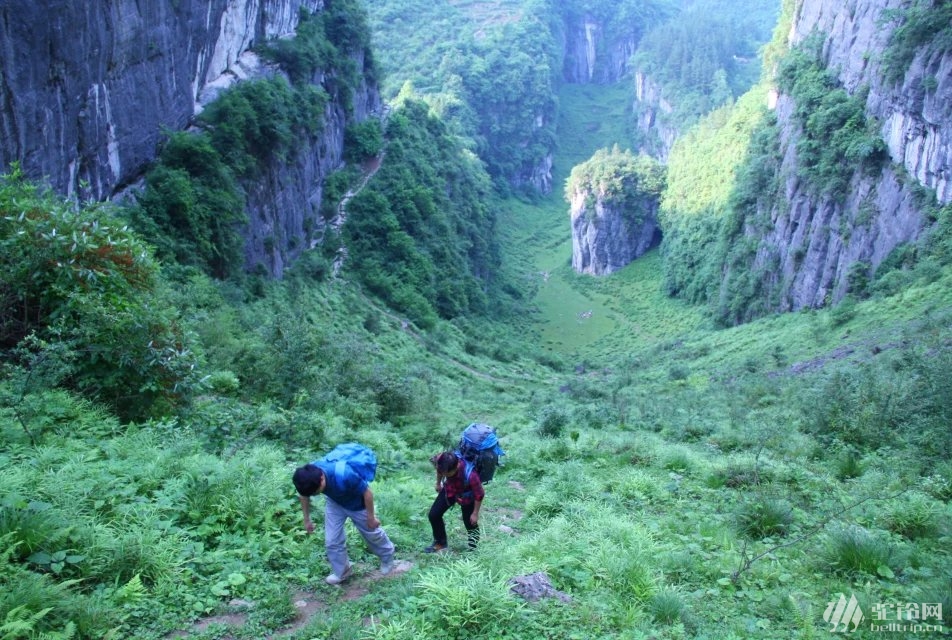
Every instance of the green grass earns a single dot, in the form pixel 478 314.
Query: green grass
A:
pixel 671 485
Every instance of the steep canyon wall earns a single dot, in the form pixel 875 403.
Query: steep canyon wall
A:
pixel 86 89
pixel 814 242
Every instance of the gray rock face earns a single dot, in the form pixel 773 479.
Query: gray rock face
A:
pixel 88 86
pixel 652 111
pixel 86 89
pixel 815 242
pixel 605 239
pixel 591 56
pixel 916 121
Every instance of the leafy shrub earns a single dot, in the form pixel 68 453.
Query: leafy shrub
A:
pixel 191 208
pixel 224 382
pixel 679 372
pixel 677 460
pixel 738 476
pixel 848 465
pixel 764 517
pixel 363 140
pixel 85 284
pixel 551 421
pixel 939 482
pixel 834 124
pixel 258 122
pixel 923 25
pixel 843 312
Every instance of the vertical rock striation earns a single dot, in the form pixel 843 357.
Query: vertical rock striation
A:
pixel 813 243
pixel 86 89
pixel 606 237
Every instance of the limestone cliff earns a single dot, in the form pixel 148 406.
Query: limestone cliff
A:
pixel 653 114
pixel 597 52
pixel 614 199
pixel 86 89
pixel 606 237
pixel 813 242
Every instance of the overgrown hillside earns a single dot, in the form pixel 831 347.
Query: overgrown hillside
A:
pixel 670 477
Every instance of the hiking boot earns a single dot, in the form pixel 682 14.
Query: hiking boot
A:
pixel 435 548
pixel 386 567
pixel 336 579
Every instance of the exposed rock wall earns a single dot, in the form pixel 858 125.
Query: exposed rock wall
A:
pixel 606 238
pixel 813 243
pixel 86 89
pixel 594 53
pixel 652 111
pixel 916 121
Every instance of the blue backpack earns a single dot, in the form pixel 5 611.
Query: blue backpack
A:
pixel 359 458
pixel 479 449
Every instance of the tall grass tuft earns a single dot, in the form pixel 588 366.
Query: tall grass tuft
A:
pixel 666 606
pixel 764 517
pixel 854 550
pixel 466 601
pixel 915 516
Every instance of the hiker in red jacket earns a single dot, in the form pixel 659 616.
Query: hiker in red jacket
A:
pixel 453 486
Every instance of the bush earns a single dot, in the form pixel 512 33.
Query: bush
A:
pixel 90 291
pixel 192 208
pixel 551 422
pixel 848 465
pixel 463 601
pixel 834 124
pixel 666 607
pixel 363 140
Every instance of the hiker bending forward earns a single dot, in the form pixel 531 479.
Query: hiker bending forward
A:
pixel 347 495
pixel 454 487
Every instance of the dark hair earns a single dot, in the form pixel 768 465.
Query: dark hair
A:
pixel 446 462
pixel 307 479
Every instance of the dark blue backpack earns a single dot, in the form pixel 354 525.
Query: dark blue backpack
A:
pixel 359 458
pixel 479 449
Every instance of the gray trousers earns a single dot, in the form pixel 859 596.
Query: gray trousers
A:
pixel 335 538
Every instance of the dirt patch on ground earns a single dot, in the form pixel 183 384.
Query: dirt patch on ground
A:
pixel 306 603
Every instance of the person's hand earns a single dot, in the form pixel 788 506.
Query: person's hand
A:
pixel 438 487
pixel 474 519
pixel 372 523
pixel 308 526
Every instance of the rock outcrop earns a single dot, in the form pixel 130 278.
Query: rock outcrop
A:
pixel 88 87
pixel 813 243
pixel 606 237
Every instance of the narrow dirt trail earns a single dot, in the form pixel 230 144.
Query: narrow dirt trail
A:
pixel 307 604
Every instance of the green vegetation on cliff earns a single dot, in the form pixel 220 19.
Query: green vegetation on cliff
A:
pixel 421 235
pixel 699 206
pixel 618 179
